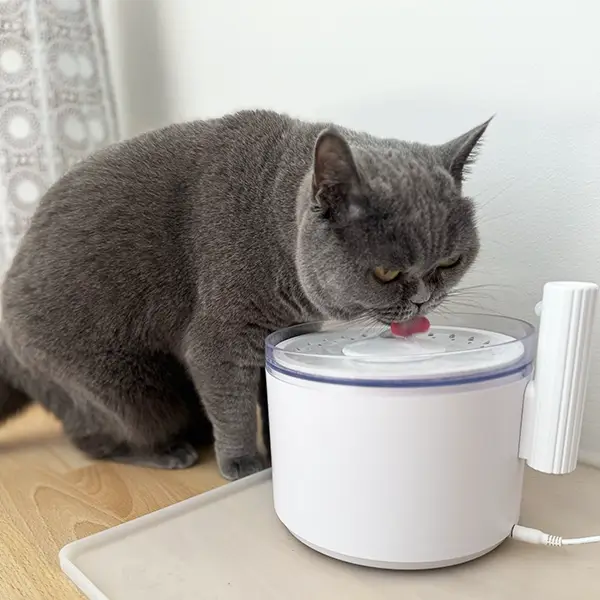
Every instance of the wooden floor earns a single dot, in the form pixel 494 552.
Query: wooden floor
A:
pixel 50 495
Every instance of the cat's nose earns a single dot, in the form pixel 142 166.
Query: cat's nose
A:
pixel 422 294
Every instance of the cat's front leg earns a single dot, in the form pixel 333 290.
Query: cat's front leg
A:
pixel 229 393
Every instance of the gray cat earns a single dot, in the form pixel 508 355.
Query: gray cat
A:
pixel 139 300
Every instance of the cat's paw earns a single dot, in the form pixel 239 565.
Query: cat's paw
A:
pixel 233 468
pixel 176 456
pixel 180 456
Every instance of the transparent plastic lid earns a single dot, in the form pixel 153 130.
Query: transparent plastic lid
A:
pixel 456 349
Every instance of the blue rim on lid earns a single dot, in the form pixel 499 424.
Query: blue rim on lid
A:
pixel 458 349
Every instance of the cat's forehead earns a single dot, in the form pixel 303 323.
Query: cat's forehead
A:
pixel 390 173
pixel 415 248
pixel 411 234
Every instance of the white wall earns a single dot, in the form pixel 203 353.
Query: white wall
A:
pixel 416 70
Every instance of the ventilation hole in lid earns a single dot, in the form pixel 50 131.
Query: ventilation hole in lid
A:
pixel 452 336
pixel 471 339
pixel 431 334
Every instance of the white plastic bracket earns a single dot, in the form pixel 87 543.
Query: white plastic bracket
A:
pixel 555 398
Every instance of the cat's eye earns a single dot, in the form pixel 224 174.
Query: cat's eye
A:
pixel 448 263
pixel 385 275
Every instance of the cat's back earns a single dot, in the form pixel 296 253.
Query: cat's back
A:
pixel 113 233
pixel 158 172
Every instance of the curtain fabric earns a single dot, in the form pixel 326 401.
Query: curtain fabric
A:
pixel 56 102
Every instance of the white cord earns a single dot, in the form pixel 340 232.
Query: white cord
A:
pixel 535 536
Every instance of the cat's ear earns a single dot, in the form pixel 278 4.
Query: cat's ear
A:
pixel 460 153
pixel 334 169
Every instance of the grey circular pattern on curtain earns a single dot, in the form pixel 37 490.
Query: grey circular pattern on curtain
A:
pixel 56 102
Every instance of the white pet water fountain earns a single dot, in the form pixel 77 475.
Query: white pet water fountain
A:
pixel 408 453
pixel 388 452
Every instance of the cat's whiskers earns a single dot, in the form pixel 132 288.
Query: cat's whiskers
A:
pixel 493 198
pixel 483 286
pixel 489 219
pixel 371 324
pixel 366 323
pixel 490 290
pixel 473 297
pixel 452 303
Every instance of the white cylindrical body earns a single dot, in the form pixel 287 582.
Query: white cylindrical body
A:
pixel 556 399
pixel 399 478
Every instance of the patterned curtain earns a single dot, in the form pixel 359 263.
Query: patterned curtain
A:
pixel 56 102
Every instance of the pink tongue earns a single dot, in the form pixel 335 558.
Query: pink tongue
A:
pixel 412 327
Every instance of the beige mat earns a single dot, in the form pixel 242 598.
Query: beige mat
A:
pixel 228 544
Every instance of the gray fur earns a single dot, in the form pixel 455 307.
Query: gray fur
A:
pixel 153 271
